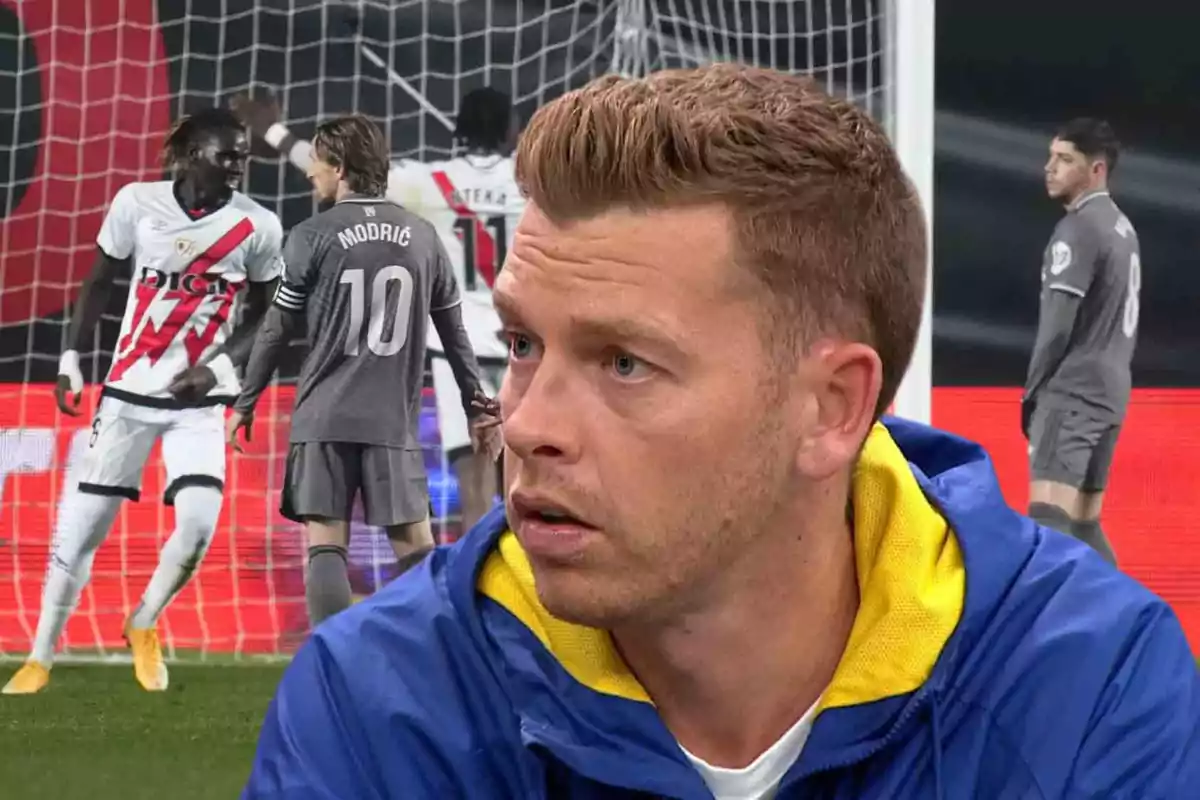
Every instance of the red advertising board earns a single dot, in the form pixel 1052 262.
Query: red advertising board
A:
pixel 249 593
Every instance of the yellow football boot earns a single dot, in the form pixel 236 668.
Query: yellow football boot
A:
pixel 148 665
pixel 31 678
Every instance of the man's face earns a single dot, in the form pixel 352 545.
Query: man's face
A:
pixel 1068 171
pixel 219 161
pixel 636 404
pixel 324 177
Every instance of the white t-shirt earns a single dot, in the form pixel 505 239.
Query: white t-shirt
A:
pixel 760 780
pixel 187 271
pixel 474 205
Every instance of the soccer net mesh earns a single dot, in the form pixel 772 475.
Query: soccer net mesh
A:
pixel 96 85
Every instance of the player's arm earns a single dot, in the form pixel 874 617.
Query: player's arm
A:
pixel 264 264
pixel 254 311
pixel 1068 279
pixel 262 115
pixel 93 297
pixel 221 366
pixel 114 256
pixel 1144 737
pixel 446 313
pixel 281 320
pixel 279 326
pixel 1056 321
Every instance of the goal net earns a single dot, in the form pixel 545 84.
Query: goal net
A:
pixel 96 85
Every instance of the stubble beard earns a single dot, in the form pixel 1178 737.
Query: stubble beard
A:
pixel 707 531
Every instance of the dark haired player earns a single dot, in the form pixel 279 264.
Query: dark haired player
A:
pixel 192 245
pixel 474 204
pixel 1079 378
pixel 366 274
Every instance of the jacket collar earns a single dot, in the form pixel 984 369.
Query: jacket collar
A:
pixel 912 488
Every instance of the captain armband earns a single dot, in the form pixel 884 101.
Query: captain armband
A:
pixel 290 297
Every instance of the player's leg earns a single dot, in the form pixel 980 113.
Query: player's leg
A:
pixel 109 471
pixel 395 495
pixel 476 476
pixel 193 452
pixel 327 589
pixel 319 487
pixel 1055 473
pixel 474 473
pixel 1062 444
pixel 456 440
pixel 1086 525
pixel 411 542
pixel 499 489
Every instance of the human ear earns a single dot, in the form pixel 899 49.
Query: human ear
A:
pixel 844 381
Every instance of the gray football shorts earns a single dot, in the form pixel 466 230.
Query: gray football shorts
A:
pixel 1071 447
pixel 323 479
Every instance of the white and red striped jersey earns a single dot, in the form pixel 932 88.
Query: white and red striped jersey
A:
pixel 474 205
pixel 187 271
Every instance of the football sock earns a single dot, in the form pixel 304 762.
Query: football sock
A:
pixel 328 588
pixel 196 511
pixel 1090 532
pixel 1087 531
pixel 1051 516
pixel 83 523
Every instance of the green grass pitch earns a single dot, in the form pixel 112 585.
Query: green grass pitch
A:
pixel 95 735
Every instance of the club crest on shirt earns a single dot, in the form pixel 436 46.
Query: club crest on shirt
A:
pixel 1060 257
pixel 184 246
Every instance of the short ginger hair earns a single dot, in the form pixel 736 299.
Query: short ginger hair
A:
pixel 824 216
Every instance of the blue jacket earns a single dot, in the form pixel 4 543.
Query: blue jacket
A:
pixel 990 658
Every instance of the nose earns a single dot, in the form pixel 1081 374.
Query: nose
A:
pixel 540 414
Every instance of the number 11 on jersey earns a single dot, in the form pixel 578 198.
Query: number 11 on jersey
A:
pixel 466 228
pixel 401 312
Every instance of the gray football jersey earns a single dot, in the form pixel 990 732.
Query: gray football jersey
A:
pixel 1094 256
pixel 371 273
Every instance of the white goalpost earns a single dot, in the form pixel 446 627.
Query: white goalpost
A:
pixel 911 124
pixel 95 86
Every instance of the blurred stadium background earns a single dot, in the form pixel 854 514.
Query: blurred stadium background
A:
pixel 96 84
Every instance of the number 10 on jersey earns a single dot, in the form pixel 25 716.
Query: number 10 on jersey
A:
pixel 377 328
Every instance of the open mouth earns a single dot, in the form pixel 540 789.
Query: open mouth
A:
pixel 556 518
pixel 546 510
pixel 550 538
pixel 550 531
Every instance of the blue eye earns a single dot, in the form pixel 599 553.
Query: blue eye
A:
pixel 520 346
pixel 628 367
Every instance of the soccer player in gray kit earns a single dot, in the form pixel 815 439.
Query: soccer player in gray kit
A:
pixel 365 274
pixel 1079 373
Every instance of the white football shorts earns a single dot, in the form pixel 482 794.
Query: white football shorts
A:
pixel 123 434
